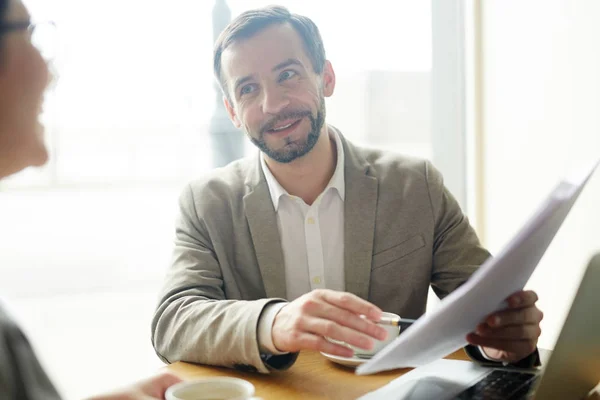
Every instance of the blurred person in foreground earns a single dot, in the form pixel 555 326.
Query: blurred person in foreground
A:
pixel 24 77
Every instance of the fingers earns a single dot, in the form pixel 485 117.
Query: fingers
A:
pixel 524 298
pixel 156 386
pixel 327 314
pixel 331 329
pixel 152 388
pixel 520 347
pixel 349 319
pixel 164 380
pixel 529 315
pixel 350 302
pixel 308 341
pixel 513 332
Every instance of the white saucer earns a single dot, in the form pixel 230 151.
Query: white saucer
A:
pixel 346 361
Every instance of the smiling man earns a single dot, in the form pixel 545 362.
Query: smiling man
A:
pixel 276 252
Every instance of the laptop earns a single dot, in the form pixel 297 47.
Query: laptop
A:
pixel 573 369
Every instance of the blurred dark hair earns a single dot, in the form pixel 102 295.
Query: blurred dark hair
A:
pixel 3 8
pixel 251 22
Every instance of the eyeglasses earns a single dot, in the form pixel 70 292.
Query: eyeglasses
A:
pixel 41 34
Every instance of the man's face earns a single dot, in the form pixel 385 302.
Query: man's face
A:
pixel 274 93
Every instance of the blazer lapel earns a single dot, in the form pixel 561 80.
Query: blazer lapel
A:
pixel 262 221
pixel 359 221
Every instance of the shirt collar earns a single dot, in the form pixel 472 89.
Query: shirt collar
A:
pixel 336 182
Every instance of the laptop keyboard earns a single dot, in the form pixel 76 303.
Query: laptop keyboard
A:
pixel 500 385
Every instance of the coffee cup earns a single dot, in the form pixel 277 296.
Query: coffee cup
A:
pixel 391 325
pixel 217 388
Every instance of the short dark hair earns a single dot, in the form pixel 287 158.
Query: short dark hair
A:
pixel 3 9
pixel 251 22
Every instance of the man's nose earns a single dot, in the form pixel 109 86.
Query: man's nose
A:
pixel 274 101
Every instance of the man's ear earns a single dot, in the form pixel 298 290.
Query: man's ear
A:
pixel 232 114
pixel 328 79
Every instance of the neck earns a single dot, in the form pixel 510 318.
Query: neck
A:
pixel 307 176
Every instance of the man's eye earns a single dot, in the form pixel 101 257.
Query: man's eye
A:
pixel 285 75
pixel 248 89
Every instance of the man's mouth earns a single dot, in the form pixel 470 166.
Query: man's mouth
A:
pixel 284 128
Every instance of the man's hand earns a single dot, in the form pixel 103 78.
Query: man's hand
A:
pixel 511 334
pixel 150 389
pixel 304 323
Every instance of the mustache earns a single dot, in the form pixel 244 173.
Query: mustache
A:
pixel 292 114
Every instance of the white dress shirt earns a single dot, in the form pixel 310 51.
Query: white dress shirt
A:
pixel 312 240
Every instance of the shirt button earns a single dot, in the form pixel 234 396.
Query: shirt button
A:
pixel 316 280
pixel 310 220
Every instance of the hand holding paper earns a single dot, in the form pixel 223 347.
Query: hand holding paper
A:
pixel 511 334
pixel 443 331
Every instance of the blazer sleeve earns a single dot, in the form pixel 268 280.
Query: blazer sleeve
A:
pixel 457 252
pixel 194 321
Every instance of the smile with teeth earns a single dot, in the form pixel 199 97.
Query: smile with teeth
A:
pixel 282 128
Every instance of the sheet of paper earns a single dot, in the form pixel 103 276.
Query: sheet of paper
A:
pixel 444 330
pixel 440 380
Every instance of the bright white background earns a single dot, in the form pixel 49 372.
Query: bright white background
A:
pixel 541 101
pixel 84 242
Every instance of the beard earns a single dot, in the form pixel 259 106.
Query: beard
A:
pixel 292 149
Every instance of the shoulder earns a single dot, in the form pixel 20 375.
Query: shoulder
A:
pixel 226 182
pixel 220 190
pixel 386 165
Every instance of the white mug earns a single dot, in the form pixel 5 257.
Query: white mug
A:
pixel 217 388
pixel 392 330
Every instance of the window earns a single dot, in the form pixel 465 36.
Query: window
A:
pixel 135 95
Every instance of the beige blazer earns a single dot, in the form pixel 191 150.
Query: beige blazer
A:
pixel 403 232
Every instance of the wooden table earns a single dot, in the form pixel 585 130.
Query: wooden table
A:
pixel 312 377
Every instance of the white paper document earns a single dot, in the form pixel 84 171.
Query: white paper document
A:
pixel 444 330
pixel 439 380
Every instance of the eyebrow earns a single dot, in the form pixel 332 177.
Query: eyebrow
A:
pixel 290 61
pixel 286 63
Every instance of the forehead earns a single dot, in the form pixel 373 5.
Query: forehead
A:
pixel 261 52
